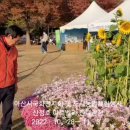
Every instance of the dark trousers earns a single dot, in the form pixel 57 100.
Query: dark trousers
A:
pixel 44 46
pixel 84 45
pixel 7 98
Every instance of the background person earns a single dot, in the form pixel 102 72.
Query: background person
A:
pixel 84 42
pixel 44 42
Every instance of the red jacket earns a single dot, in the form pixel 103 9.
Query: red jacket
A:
pixel 8 66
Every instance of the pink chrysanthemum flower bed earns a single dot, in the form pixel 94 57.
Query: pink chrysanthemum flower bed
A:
pixel 71 105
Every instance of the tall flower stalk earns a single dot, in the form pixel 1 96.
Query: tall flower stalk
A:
pixel 128 64
pixel 105 82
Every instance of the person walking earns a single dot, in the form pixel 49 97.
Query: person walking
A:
pixel 84 42
pixel 8 73
pixel 44 42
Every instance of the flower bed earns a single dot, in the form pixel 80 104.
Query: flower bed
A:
pixel 71 105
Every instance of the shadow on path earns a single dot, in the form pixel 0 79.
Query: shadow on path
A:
pixel 35 68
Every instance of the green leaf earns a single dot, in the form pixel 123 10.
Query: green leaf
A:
pixel 101 71
pixel 109 34
pixel 123 92
pixel 96 55
pixel 113 20
pixel 125 50
pixel 129 71
pixel 111 89
pixel 113 28
pixel 120 71
pixel 129 94
pixel 120 49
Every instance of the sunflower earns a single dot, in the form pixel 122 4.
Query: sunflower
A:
pixel 102 34
pixel 119 40
pixel 113 42
pixel 88 37
pixel 104 41
pixel 125 28
pixel 119 12
pixel 98 48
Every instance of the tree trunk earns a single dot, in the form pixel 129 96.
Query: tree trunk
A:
pixel 48 29
pixel 28 41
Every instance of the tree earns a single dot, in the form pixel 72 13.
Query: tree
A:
pixel 3 12
pixel 27 14
pixel 33 14
pixel 78 6
pixel 53 18
pixel 66 14
pixel 109 4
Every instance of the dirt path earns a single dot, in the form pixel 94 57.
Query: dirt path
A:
pixel 36 68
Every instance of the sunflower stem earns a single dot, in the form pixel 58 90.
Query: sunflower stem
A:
pixel 118 87
pixel 128 58
pixel 105 85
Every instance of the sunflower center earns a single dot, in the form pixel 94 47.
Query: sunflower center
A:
pixel 126 26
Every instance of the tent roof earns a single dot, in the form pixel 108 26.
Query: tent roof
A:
pixel 93 12
pixel 106 21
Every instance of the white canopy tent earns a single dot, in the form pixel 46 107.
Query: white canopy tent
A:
pixel 105 22
pixel 93 12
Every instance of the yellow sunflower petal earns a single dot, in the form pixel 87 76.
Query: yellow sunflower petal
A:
pixel 98 48
pixel 102 34
pixel 119 41
pixel 125 28
pixel 113 42
pixel 88 37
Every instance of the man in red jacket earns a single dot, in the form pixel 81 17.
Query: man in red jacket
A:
pixel 8 73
